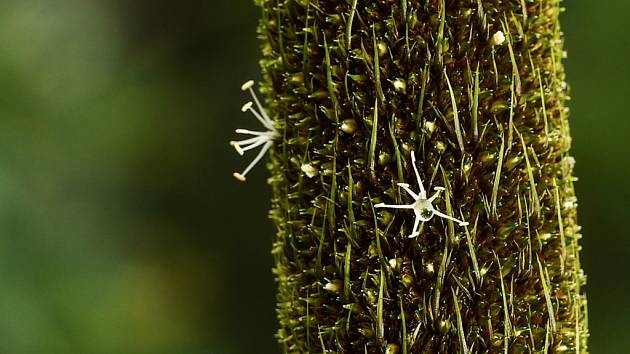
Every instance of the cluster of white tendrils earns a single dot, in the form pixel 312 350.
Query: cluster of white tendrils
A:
pixel 264 138
pixel 422 206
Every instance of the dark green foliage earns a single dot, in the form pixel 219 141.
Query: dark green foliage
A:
pixel 354 87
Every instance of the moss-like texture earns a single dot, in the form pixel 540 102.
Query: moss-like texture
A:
pixel 477 89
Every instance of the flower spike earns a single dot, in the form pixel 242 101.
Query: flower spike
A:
pixel 264 138
pixel 422 206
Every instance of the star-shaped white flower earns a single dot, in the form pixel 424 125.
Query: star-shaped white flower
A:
pixel 264 138
pixel 422 206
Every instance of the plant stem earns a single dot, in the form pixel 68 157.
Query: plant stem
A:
pixel 477 90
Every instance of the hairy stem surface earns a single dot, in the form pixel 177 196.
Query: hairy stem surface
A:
pixel 476 89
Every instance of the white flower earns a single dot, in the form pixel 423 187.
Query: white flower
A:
pixel 264 138
pixel 422 206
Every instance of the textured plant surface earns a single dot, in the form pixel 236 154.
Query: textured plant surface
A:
pixel 477 90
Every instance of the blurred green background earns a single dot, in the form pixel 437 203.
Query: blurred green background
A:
pixel 121 228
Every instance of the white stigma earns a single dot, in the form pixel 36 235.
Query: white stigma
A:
pixel 259 138
pixel 422 206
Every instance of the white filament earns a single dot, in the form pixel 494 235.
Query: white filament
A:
pixel 264 138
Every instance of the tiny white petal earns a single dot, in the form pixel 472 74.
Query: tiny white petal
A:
pixel 393 263
pixel 498 38
pixel 429 127
pixel 309 170
pixel 400 86
pixel 331 287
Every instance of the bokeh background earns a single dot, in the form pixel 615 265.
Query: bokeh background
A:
pixel 121 228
